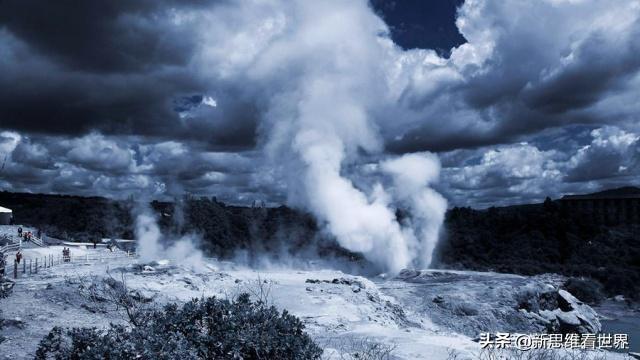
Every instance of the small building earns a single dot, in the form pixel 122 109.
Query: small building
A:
pixel 6 215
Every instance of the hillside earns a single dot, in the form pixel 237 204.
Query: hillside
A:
pixel 224 231
pixel 526 239
pixel 540 238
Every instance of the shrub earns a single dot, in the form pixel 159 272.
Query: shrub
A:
pixel 208 328
pixel 585 289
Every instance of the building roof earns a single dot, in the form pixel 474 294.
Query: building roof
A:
pixel 4 210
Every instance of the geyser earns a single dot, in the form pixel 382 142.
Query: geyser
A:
pixel 327 78
pixel 323 126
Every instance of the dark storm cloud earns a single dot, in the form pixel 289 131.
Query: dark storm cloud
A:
pixel 100 36
pixel 116 67
pixel 523 99
pixel 613 153
pixel 520 75
pixel 571 160
pixel 97 164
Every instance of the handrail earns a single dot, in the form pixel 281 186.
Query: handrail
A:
pixel 37 241
pixel 47 261
pixel 9 247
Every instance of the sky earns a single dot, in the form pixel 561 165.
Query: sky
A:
pixel 518 100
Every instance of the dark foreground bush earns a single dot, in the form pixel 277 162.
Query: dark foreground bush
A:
pixel 202 329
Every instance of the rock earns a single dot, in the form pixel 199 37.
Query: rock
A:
pixel 619 298
pixel 406 274
pixel 337 281
pixel 561 311
pixel 309 289
pixel 438 299
pixel 6 286
pixel 355 288
pixel 465 309
pixel 16 322
pixel 574 316
pixel 547 315
pixel 237 281
pixel 545 319
pixel 141 296
pixel 567 319
pixel 148 269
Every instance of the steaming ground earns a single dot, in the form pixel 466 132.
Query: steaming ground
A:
pixel 339 310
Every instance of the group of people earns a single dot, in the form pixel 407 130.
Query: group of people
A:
pixel 28 235
pixel 66 254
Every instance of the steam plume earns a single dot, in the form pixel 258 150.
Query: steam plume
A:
pixel 325 70
pixel 151 247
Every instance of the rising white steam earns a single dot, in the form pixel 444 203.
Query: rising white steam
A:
pixel 151 244
pixel 412 174
pixel 329 75
pixel 148 235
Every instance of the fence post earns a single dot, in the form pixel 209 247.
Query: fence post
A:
pixel 36 268
pixel 24 266
pixel 15 269
pixel 30 270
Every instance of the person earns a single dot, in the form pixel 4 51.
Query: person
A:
pixel 18 256
pixel 39 233
pixel 19 231
pixel 66 254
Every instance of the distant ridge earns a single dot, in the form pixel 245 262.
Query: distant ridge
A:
pixel 626 192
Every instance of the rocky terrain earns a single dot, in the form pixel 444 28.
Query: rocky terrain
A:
pixel 416 315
